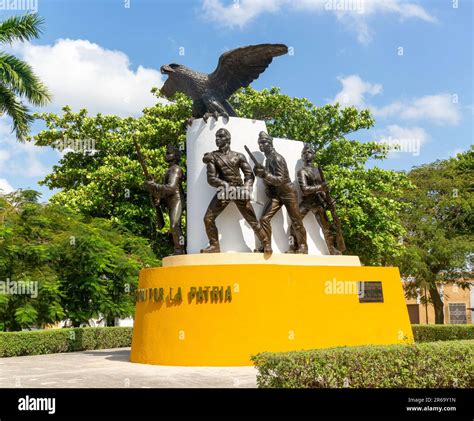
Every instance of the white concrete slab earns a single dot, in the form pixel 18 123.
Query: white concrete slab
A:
pixel 235 234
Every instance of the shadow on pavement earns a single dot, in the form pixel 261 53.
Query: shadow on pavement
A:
pixel 113 355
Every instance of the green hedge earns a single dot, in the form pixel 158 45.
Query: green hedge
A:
pixel 63 340
pixel 425 365
pixel 431 333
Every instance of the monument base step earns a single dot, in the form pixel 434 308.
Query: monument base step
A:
pixel 231 258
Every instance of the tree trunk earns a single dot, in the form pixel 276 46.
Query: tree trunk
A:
pixel 437 304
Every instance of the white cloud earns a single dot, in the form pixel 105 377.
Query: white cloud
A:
pixel 354 90
pixel 394 132
pixel 356 18
pixel 17 158
pixel 83 74
pixel 4 156
pixel 240 12
pixel 5 186
pixel 439 108
pixel 403 139
pixel 353 14
pixel 456 151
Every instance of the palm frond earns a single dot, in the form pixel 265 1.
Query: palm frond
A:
pixel 21 28
pixel 19 112
pixel 20 78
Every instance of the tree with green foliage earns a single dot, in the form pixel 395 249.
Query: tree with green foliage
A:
pixel 17 79
pixel 439 220
pixel 108 182
pixel 75 267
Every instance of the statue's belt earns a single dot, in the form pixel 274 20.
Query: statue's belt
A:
pixel 232 183
pixel 287 185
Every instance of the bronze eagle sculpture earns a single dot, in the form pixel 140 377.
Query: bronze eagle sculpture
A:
pixel 236 69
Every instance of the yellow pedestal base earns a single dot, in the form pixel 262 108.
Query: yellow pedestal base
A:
pixel 220 315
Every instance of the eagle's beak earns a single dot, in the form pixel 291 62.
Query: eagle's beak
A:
pixel 166 69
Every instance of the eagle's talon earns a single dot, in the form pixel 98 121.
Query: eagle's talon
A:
pixel 206 116
pixel 215 114
pixel 225 116
pixel 188 123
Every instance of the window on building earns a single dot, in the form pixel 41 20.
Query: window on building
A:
pixel 457 313
pixel 414 313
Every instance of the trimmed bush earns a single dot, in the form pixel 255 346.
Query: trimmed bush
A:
pixel 51 341
pixel 431 333
pixel 426 365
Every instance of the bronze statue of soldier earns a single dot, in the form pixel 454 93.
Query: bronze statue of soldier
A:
pixel 224 168
pixel 316 199
pixel 280 191
pixel 171 191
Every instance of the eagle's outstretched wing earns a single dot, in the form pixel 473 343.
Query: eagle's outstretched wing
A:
pixel 238 68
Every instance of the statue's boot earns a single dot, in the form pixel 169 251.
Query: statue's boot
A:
pixel 330 241
pixel 212 248
pixel 266 245
pixel 302 249
pixel 267 249
pixel 334 250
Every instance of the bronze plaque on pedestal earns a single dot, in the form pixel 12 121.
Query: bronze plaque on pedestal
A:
pixel 370 292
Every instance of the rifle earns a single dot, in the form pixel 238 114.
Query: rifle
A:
pixel 256 164
pixel 270 190
pixel 330 203
pixel 155 194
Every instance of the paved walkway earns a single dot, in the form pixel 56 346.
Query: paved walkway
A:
pixel 112 368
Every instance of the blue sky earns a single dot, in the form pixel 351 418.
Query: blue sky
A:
pixel 410 62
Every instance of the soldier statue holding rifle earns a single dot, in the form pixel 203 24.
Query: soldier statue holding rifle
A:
pixel 171 191
pixel 280 191
pixel 317 199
